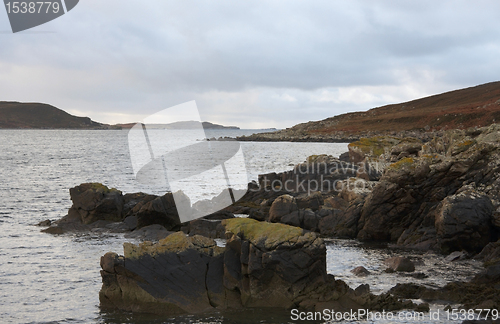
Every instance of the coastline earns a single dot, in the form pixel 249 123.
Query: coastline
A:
pixel 386 171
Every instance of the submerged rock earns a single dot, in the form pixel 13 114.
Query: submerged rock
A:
pixel 360 271
pixel 400 264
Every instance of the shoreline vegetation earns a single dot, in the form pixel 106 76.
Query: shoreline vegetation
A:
pixel 437 195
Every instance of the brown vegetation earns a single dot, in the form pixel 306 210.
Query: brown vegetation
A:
pixel 464 108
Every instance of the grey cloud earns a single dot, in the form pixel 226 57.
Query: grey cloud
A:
pixel 120 55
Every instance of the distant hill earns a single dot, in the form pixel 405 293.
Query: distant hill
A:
pixel 464 108
pixel 183 125
pixel 42 116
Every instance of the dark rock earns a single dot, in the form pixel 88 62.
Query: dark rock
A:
pixel 258 215
pixel 490 253
pixel 53 230
pixel 153 232
pixel 117 227
pixel 46 222
pixel 222 214
pixel 161 210
pixel 135 201
pixel 94 201
pixel 344 157
pixel 419 275
pixel 423 307
pixel 360 271
pixel 407 290
pixel 293 219
pixel 463 222
pixel 312 201
pixel 206 227
pixel 336 203
pixel 400 264
pixel 489 275
pixel 305 219
pixel 362 289
pixel 282 206
pixel 131 222
pixel 456 256
pixel 340 223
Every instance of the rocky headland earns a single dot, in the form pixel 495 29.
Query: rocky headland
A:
pixel 20 115
pixel 423 118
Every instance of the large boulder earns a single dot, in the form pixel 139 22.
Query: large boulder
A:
pixel 94 201
pixel 400 264
pixel 179 274
pixel 211 228
pixel 272 264
pixel 304 218
pixel 263 265
pixel 463 222
pixel 283 205
pixel 160 210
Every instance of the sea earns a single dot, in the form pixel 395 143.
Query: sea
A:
pixel 48 278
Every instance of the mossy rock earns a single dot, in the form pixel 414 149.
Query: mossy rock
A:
pixel 99 187
pixel 174 243
pixel 268 235
pixel 375 146
pixel 321 158
pixel 407 162
pixel 462 146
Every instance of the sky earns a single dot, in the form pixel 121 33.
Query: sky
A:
pixel 252 64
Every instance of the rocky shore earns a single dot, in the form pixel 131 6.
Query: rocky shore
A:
pixel 438 194
pixel 261 265
pixel 302 133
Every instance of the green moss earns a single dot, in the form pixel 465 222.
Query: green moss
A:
pixel 375 145
pixel 258 233
pixel 99 187
pixel 406 162
pixel 174 243
pixel 466 143
pixel 462 146
pixel 312 158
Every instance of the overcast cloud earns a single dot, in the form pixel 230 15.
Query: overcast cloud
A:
pixel 253 64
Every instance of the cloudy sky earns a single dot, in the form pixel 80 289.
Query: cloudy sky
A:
pixel 253 64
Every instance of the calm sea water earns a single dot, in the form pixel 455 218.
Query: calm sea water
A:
pixel 55 279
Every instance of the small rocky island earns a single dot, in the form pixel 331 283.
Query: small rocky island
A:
pixel 438 195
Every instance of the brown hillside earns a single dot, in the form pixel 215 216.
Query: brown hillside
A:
pixel 475 106
pixel 38 115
